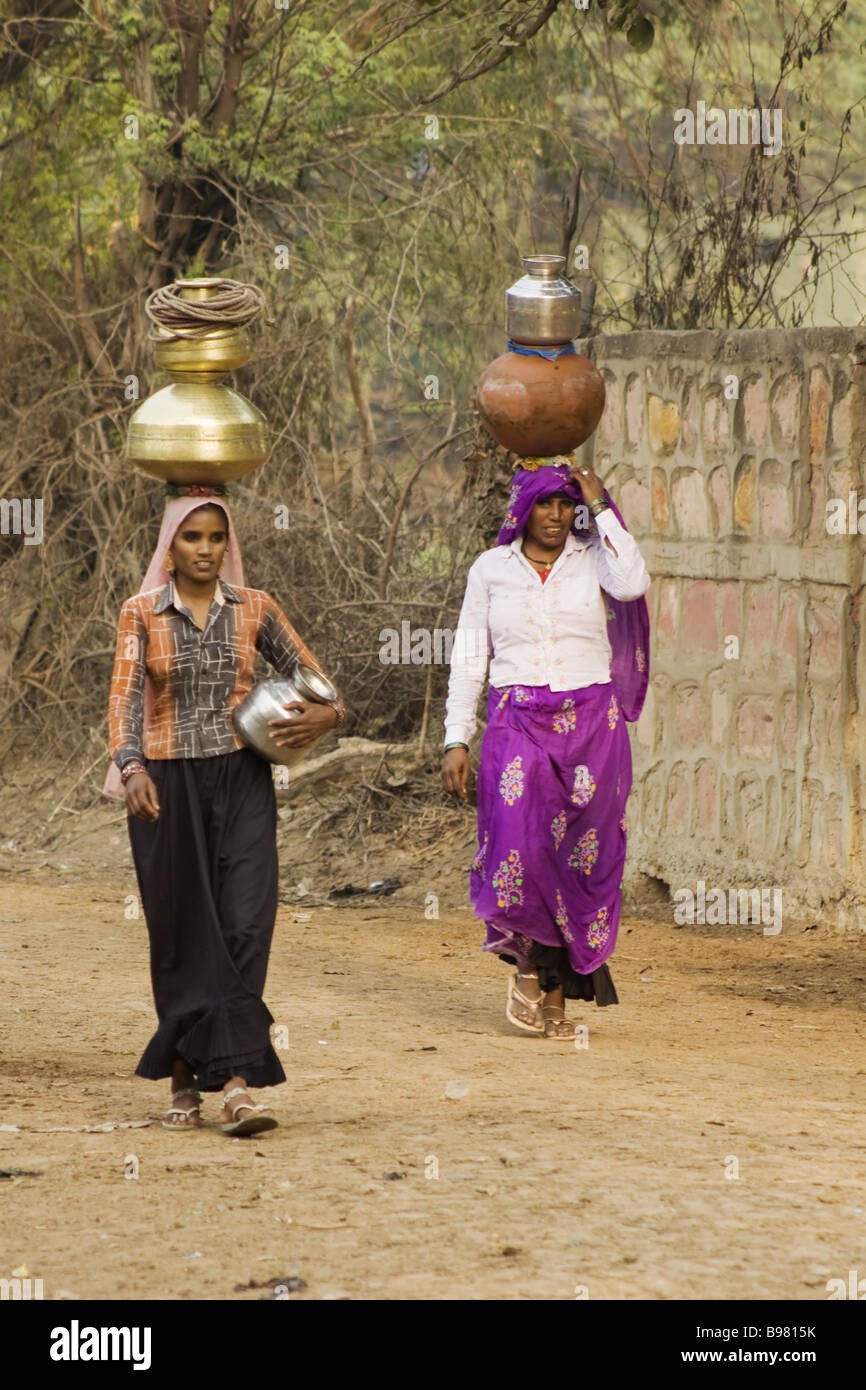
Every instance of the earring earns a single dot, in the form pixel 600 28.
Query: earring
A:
pixel 168 564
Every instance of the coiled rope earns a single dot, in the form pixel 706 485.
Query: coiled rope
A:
pixel 231 304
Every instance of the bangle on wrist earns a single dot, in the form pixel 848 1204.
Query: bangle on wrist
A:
pixel 456 745
pixel 131 769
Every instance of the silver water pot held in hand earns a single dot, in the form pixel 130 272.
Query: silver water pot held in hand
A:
pixel 267 701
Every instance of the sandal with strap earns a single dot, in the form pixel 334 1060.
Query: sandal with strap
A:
pixel 515 996
pixel 192 1116
pixel 259 1118
pixel 551 1025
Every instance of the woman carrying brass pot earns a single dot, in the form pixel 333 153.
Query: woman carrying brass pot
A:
pixel 201 807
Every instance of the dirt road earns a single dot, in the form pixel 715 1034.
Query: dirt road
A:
pixel 708 1142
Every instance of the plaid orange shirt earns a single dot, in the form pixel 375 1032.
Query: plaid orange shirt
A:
pixel 197 677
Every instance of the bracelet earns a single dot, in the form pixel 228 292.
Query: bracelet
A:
pixel 456 745
pixel 131 769
pixel 599 505
pixel 341 715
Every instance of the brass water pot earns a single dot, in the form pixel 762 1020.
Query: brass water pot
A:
pixel 197 429
pixel 197 432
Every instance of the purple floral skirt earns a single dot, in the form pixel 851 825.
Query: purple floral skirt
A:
pixel 553 781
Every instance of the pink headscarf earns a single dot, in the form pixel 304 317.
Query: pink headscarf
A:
pixel 177 509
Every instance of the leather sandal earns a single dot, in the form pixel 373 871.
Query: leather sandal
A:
pixel 192 1116
pixel 259 1119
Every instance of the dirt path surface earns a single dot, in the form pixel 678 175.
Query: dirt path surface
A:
pixel 601 1168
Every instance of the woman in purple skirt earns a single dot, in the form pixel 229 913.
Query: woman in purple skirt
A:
pixel 557 606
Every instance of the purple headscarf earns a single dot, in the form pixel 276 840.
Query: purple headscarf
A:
pixel 628 619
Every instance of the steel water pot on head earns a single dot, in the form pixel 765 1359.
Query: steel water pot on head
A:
pixel 267 701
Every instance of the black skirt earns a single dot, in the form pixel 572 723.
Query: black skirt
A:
pixel 207 874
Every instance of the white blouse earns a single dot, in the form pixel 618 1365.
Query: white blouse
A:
pixel 552 633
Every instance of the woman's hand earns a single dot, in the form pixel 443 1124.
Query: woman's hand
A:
pixel 303 728
pixel 590 483
pixel 593 490
pixel 142 801
pixel 456 768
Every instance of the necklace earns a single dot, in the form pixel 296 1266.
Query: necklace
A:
pixel 548 564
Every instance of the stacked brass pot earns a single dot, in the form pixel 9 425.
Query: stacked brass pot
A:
pixel 197 429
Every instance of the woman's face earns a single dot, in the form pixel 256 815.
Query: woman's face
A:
pixel 200 544
pixel 550 520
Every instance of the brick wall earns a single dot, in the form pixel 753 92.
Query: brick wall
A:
pixel 750 766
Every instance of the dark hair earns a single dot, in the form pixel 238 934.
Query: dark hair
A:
pixel 204 507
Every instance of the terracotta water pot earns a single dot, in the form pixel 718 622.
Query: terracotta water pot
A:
pixel 533 406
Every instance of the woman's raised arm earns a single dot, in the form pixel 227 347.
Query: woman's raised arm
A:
pixel 621 571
